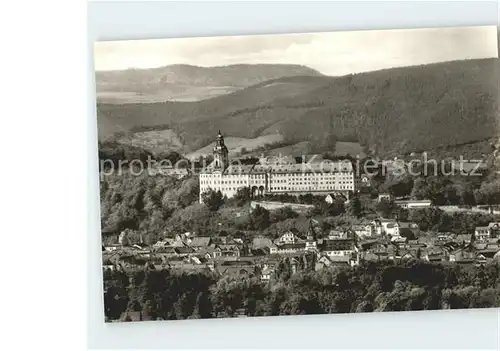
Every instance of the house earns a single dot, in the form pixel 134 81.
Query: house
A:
pixel 494 230
pixel 407 255
pixel 482 233
pixel 108 264
pixel 271 263
pixel 480 260
pixel 287 238
pixel 226 250
pixel 266 274
pixel 390 227
pixel 322 262
pixel 415 244
pixel 489 250
pixel 273 249
pixel 409 204
pixel 381 252
pixel 337 234
pixel 339 247
pixel 363 230
pixel 183 250
pixel 294 265
pixel 363 181
pixel 329 199
pixel 343 261
pixel 377 227
pixel 385 196
pixel 435 256
pixel 311 244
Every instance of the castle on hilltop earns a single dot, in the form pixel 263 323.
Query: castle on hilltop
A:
pixel 281 176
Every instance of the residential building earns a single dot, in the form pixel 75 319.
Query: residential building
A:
pixel 266 274
pixel 494 230
pixel 363 230
pixel 390 227
pixel 287 238
pixel 339 247
pixel 226 250
pixel 482 233
pixel 337 234
pixel 384 196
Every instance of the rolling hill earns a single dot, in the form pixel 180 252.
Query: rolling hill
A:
pixel 186 82
pixel 390 112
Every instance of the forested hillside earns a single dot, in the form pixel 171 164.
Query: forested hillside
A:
pixel 390 111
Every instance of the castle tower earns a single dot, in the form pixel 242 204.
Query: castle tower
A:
pixel 221 154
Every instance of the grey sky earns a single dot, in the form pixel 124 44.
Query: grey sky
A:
pixel 335 53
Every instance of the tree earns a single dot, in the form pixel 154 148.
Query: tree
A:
pixel 354 208
pixel 386 208
pixel 284 213
pixel 242 196
pixel 260 218
pixel 212 199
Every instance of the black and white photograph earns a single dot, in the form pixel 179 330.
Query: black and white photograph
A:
pixel 304 173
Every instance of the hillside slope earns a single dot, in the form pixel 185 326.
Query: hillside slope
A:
pixel 390 111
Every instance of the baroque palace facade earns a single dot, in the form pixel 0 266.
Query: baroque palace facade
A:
pixel 279 176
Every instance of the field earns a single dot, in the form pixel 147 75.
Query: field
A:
pixel 184 93
pixel 236 145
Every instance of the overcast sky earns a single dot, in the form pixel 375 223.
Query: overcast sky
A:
pixel 335 53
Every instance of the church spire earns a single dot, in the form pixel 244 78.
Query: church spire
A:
pixel 311 233
pixel 221 153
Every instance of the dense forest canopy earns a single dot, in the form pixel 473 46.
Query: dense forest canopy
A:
pixel 369 287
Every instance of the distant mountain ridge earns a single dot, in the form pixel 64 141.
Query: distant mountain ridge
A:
pixel 389 111
pixel 178 79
